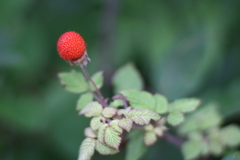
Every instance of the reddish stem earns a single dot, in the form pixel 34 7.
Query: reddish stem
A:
pixel 169 137
pixel 94 85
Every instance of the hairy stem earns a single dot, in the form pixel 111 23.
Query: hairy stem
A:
pixel 175 140
pixel 94 85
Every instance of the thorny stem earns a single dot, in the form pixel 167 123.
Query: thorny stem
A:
pixel 177 141
pixel 119 96
pixel 94 85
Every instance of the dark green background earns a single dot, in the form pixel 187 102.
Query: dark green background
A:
pixel 181 47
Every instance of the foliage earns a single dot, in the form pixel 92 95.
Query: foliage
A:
pixel 145 111
pixel 181 48
pixel 208 138
pixel 133 109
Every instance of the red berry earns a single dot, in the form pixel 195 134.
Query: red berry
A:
pixel 71 46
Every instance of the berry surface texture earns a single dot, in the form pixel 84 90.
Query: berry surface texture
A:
pixel 71 46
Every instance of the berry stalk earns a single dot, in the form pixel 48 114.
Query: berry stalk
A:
pixel 94 85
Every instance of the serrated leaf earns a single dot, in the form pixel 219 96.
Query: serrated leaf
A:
pixel 88 132
pixel 87 149
pixel 104 149
pixel 175 118
pixel 115 126
pixel 140 99
pixel 116 103
pixel 96 123
pixel 112 138
pixel 98 80
pixel 184 105
pixel 101 132
pixel 150 138
pixel 92 109
pixel 230 135
pixel 84 100
pixel 135 147
pixel 73 81
pixel 109 112
pixel 143 116
pixel 125 124
pixel 191 149
pixel 161 103
pixel 127 77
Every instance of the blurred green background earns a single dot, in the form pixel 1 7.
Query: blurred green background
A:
pixel 182 48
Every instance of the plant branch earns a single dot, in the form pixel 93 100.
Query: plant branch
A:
pixel 94 85
pixel 139 127
pixel 95 96
pixel 175 140
pixel 119 96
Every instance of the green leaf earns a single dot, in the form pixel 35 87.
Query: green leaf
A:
pixel 159 130
pixel 104 149
pixel 191 149
pixel 149 127
pixel 135 147
pixel 195 136
pixel 92 109
pixel 140 99
pixel 205 148
pixel 174 118
pixel 116 103
pixel 112 138
pixel 161 103
pixel 232 156
pixel 125 123
pixel 215 147
pixel 87 149
pixel 150 138
pixel 84 100
pixel 101 132
pixel 142 117
pixel 88 132
pixel 96 123
pixel 127 77
pixel 98 80
pixel 214 144
pixel 230 135
pixel 184 105
pixel 115 126
pixel 203 119
pixel 73 81
pixel 109 112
